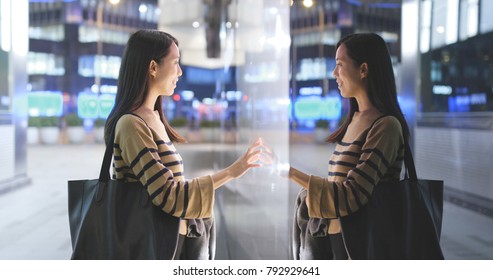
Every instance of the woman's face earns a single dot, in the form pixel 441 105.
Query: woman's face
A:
pixel 348 75
pixel 168 71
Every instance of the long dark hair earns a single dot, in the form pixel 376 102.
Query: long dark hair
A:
pixel 142 47
pixel 370 48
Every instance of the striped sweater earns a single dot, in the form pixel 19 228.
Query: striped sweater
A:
pixel 140 154
pixel 360 160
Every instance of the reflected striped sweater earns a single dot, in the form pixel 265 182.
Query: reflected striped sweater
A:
pixel 365 155
pixel 141 155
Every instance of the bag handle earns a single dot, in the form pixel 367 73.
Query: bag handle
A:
pixel 104 173
pixel 409 163
pixel 408 156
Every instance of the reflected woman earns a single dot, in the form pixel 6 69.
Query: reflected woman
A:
pixel 369 150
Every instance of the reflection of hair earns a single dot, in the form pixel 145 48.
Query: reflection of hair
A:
pixel 371 49
pixel 142 47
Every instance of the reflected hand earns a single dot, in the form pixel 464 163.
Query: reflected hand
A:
pixel 250 159
pixel 254 157
pixel 270 158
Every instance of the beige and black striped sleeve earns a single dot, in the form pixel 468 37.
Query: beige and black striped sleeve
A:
pixel 333 199
pixel 186 199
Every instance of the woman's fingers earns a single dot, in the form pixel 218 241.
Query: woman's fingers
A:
pixel 259 154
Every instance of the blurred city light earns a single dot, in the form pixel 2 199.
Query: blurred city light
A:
pixel 45 103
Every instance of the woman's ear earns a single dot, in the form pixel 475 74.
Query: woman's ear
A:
pixel 153 68
pixel 363 70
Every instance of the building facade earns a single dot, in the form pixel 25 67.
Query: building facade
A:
pixel 76 48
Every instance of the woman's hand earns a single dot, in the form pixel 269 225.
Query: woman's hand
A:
pixel 250 159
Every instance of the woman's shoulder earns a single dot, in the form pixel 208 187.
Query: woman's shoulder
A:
pixel 130 122
pixel 387 120
pixel 387 123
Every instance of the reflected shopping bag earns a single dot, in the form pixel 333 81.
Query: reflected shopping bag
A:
pixel 402 220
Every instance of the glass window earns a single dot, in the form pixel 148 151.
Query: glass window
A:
pixel 48 32
pixel 458 77
pixel 486 24
pixel 84 3
pixel 5 26
pixel 196 75
pixel 89 34
pixel 424 36
pixel 4 81
pixel 312 69
pixel 444 23
pixel 100 66
pixel 45 64
pixel 468 19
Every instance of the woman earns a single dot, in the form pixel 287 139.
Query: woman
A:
pixel 369 150
pixel 143 139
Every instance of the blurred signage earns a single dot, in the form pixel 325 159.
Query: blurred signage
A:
pixel 442 89
pixel 45 103
pixel 92 106
pixel 315 108
pixel 311 91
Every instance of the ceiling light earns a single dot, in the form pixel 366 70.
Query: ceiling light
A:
pixel 308 3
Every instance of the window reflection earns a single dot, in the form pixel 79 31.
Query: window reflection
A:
pixel 45 64
pixel 99 65
pixel 54 33
pixel 444 24
pixel 468 19
pixel 486 22
pixel 456 75
pixel 90 34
